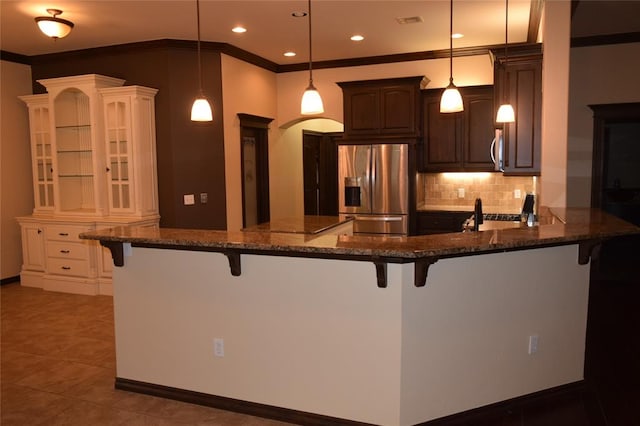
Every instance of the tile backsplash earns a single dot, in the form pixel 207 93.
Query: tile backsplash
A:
pixel 460 190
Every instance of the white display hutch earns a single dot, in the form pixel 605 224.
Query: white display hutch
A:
pixel 93 150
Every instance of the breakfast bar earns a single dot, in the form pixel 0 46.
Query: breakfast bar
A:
pixel 293 326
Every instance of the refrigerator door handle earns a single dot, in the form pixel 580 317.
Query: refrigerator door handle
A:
pixel 380 219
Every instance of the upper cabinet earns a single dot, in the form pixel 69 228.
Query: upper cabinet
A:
pixel 382 108
pixel 457 142
pixel 521 79
pixel 93 147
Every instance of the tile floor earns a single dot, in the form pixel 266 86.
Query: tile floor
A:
pixel 58 368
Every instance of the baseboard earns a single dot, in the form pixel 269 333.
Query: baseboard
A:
pixel 470 417
pixel 10 280
pixel 484 415
pixel 235 405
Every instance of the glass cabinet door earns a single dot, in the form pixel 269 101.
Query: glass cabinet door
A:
pixel 42 158
pixel 118 130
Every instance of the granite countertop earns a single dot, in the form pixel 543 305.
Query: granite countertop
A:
pixel 299 225
pixel 572 226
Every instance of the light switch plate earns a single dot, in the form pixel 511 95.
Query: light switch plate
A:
pixel 189 200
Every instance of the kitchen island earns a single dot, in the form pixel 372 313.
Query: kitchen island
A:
pixel 293 326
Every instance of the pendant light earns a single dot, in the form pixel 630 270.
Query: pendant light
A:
pixel 52 26
pixel 311 101
pixel 201 109
pixel 451 100
pixel 505 112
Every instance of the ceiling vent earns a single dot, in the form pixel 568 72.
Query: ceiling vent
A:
pixel 410 20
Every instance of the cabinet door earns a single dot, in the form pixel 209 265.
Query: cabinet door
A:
pixel 523 83
pixel 41 151
pixel 478 128
pixel 118 139
pixel 362 110
pixel 441 135
pixel 33 254
pixel 398 105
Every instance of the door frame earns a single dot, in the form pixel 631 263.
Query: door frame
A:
pixel 603 114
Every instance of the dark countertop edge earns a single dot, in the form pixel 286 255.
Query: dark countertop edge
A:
pixel 353 247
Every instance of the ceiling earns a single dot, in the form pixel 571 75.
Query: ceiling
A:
pixel 272 29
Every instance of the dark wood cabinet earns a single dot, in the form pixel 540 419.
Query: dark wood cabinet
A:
pixel 521 78
pixel 382 108
pixel 458 142
pixel 439 222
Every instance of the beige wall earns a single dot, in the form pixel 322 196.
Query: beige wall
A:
pixel 599 75
pixel 245 89
pixel 555 103
pixel 16 193
pixel 324 338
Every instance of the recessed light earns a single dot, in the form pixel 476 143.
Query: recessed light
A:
pixel 289 54
pixel 457 35
pixel 239 29
pixel 299 14
pixel 357 37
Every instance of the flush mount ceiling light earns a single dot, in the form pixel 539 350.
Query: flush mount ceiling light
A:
pixel 451 100
pixel 52 26
pixel 239 29
pixel 357 37
pixel 505 114
pixel 289 54
pixel 311 101
pixel 201 109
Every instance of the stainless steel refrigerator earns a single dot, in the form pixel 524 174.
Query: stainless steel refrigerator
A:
pixel 373 187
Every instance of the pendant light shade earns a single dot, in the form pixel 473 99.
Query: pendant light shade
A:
pixel 52 26
pixel 451 100
pixel 311 101
pixel 201 109
pixel 505 114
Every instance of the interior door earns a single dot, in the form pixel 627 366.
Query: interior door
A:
pixel 320 171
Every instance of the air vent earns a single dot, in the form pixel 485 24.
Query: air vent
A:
pixel 410 20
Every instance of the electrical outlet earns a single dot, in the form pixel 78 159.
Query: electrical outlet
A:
pixel 533 344
pixel 460 192
pixel 218 347
pixel 204 198
pixel 189 200
pixel 517 193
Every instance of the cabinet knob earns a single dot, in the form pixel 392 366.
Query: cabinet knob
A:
pixel 108 169
pixel 39 231
pixel 66 268
pixel 64 251
pixel 63 234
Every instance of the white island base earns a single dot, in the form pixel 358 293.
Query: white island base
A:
pixel 319 336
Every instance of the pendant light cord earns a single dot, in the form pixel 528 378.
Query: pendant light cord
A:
pixel 199 60
pixel 451 43
pixel 506 50
pixel 310 51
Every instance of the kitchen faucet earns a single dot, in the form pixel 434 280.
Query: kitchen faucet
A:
pixel 477 215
